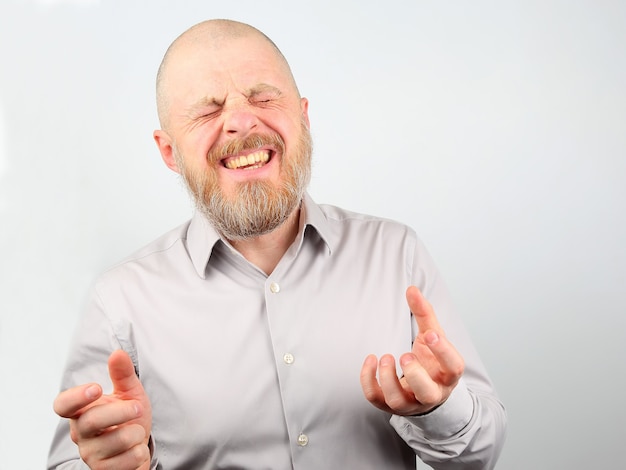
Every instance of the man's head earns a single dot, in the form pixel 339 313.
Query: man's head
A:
pixel 234 126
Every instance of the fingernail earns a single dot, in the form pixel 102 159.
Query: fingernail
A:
pixel 431 338
pixel 407 359
pixel 92 391
pixel 386 361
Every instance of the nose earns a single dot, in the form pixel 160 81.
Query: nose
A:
pixel 240 120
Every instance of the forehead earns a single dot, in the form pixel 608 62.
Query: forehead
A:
pixel 221 67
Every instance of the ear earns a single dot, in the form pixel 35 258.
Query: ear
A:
pixel 164 143
pixel 304 105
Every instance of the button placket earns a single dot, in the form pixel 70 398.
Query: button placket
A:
pixel 288 359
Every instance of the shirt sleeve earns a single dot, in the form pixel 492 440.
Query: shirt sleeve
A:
pixel 468 430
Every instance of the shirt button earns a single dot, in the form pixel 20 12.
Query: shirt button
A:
pixel 274 288
pixel 288 358
pixel 303 440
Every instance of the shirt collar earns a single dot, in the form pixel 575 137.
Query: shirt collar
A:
pixel 317 219
pixel 202 237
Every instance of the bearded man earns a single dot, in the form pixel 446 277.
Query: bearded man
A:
pixel 236 340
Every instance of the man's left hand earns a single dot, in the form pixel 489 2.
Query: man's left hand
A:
pixel 430 371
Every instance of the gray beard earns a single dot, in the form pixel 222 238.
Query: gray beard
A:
pixel 258 207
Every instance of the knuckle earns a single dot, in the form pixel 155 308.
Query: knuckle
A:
pixel 87 456
pixel 87 424
pixel 461 368
pixel 74 435
pixel 125 439
pixel 396 402
pixel 370 394
pixel 139 453
pixel 457 371
pixel 430 398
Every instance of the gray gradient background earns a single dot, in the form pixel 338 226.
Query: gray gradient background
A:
pixel 497 129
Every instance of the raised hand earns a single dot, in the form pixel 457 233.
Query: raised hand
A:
pixel 111 431
pixel 430 371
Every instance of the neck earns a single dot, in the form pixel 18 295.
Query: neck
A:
pixel 266 250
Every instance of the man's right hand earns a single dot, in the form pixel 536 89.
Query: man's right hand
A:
pixel 111 431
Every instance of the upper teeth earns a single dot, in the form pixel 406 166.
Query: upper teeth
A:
pixel 261 156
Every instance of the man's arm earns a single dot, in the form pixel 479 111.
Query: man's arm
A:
pixel 88 384
pixel 447 424
pixel 467 430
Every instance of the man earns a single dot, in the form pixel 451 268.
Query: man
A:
pixel 236 340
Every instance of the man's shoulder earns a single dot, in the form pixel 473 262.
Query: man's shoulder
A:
pixel 342 227
pixel 168 244
pixel 345 217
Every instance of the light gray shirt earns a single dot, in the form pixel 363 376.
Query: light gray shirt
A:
pixel 250 371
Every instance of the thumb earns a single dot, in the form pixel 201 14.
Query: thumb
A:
pixel 123 376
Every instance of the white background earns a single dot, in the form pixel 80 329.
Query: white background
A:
pixel 497 129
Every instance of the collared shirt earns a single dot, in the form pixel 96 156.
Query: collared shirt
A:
pixel 250 371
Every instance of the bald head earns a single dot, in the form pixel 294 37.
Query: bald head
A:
pixel 210 36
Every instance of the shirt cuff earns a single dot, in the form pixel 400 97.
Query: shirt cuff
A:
pixel 154 462
pixel 444 421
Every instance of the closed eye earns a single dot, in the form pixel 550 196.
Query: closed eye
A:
pixel 205 108
pixel 263 94
pixel 210 115
pixel 262 100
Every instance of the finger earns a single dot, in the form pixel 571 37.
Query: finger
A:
pixel 97 419
pixel 119 448
pixel 370 385
pixel 396 396
pixel 136 457
pixel 451 363
pixel 70 402
pixel 113 442
pixel 425 390
pixel 422 310
pixel 122 373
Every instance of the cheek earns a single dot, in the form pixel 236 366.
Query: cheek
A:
pixel 200 142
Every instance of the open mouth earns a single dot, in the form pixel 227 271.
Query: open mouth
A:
pixel 251 161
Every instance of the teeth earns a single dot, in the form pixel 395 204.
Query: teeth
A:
pixel 260 158
pixel 254 167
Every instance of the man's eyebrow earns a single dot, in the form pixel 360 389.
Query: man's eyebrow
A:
pixel 206 101
pixel 262 88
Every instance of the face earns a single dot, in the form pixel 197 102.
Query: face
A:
pixel 238 134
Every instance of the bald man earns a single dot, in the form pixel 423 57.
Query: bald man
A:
pixel 237 340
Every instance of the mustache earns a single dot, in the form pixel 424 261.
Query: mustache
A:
pixel 251 142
